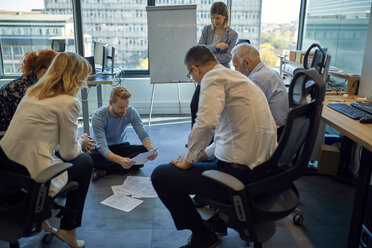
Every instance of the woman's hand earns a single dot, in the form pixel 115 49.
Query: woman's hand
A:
pixel 222 46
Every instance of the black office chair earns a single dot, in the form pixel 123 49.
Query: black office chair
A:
pixel 25 204
pixel 271 194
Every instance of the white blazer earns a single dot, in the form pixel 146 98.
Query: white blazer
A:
pixel 37 128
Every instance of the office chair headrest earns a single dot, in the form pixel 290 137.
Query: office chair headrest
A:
pixel 304 83
pixel 306 57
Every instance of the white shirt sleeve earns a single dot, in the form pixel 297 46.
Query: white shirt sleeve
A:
pixel 211 105
pixel 209 150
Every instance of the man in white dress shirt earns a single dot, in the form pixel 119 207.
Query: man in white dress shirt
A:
pixel 246 59
pixel 236 112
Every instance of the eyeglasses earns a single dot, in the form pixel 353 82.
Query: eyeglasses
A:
pixel 189 76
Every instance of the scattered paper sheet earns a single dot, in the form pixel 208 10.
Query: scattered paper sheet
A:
pixel 121 202
pixel 140 187
pixel 142 157
pixel 134 186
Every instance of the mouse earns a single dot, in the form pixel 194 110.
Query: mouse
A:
pixel 366 119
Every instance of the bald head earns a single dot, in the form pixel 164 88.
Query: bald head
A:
pixel 245 58
pixel 245 50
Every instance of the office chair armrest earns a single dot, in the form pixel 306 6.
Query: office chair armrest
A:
pixel 52 172
pixel 224 179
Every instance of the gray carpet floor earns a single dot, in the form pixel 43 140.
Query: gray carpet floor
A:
pixel 326 204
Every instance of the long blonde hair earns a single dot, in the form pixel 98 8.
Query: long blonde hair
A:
pixel 66 75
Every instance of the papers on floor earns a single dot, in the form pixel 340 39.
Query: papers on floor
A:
pixel 142 157
pixel 123 203
pixel 125 195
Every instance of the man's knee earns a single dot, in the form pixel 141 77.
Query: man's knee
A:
pixel 86 161
pixel 159 175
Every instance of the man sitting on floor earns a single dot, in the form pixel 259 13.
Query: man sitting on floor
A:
pixel 109 123
pixel 236 111
pixel 246 59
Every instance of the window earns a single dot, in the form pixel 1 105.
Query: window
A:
pixel 278 31
pixel 26 32
pixel 341 26
pixel 115 27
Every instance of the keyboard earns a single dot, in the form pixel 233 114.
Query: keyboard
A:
pixel 364 106
pixel 347 110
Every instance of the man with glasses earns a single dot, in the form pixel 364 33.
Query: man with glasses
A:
pixel 236 112
pixel 109 123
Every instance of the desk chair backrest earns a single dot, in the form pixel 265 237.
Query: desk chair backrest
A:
pixel 295 146
pixel 24 202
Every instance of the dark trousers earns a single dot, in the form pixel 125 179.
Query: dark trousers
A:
pixel 124 150
pixel 174 187
pixel 80 172
pixel 279 132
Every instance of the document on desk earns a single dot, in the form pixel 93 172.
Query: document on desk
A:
pixel 142 157
pixel 123 203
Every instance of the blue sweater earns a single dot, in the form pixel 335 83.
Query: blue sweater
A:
pixel 109 130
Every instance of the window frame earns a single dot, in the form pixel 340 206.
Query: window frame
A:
pixel 146 73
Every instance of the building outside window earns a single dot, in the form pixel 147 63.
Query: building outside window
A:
pixel 279 29
pixel 341 26
pixel 123 25
pixel 26 31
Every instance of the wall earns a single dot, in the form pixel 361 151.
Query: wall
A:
pixel 365 88
pixel 165 97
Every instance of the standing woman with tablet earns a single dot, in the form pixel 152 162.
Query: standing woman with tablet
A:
pixel 46 119
pixel 220 39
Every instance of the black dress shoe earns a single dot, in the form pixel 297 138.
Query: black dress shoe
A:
pixel 199 203
pixel 218 225
pixel 210 240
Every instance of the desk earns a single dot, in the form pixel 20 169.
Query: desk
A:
pixel 362 134
pixel 178 94
pixel 98 81
pixel 351 78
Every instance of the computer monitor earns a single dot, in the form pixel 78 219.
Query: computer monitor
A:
pixel 99 55
pixel 90 59
pixel 108 55
pixel 103 54
pixel 59 45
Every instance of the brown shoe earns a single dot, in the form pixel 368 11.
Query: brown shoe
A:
pixel 98 174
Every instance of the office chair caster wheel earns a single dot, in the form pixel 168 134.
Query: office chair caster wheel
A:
pixel 48 238
pixel 298 219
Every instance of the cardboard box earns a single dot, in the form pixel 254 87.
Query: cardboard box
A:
pixel 329 157
pixel 292 56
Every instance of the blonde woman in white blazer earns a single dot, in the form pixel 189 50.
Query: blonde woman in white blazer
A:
pixel 45 121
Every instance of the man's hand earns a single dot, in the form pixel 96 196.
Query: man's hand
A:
pixel 87 143
pixel 153 156
pixel 181 163
pixel 126 163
